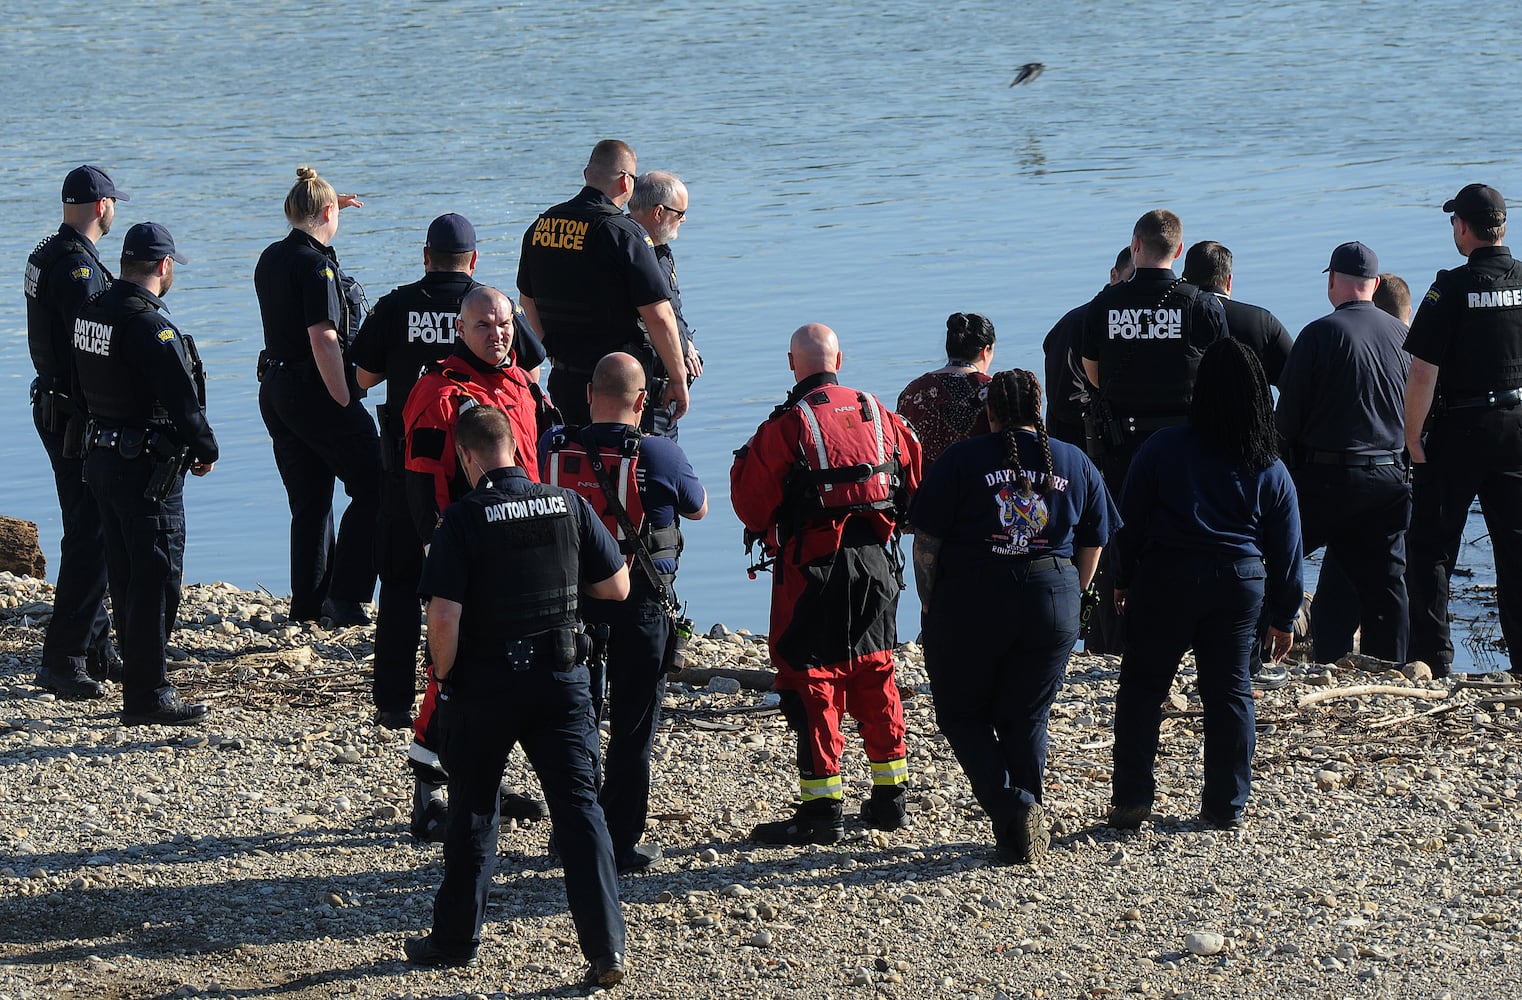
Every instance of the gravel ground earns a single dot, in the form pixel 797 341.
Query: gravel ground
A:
pixel 266 853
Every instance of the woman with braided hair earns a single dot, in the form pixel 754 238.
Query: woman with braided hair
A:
pixel 1007 529
pixel 1212 537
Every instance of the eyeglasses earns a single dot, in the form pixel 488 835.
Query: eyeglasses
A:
pixel 625 173
pixel 680 213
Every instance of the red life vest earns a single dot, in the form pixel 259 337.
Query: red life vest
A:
pixel 848 459
pixel 568 467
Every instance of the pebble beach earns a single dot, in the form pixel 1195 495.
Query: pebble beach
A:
pixel 266 853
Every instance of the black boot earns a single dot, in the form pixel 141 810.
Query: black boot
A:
pixel 428 812
pixel 886 808
pixel 817 821
pixel 73 681
pixel 1026 839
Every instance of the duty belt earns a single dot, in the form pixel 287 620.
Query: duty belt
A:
pixel 1042 564
pixel 1133 425
pixel 1498 399
pixel 1350 460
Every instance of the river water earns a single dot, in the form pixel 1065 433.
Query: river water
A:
pixel 864 166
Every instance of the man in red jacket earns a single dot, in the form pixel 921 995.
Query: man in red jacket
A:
pixel 823 483
pixel 478 372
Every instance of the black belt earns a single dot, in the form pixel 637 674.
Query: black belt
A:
pixel 1503 399
pixel 1350 460
pixel 1044 563
pixel 1149 423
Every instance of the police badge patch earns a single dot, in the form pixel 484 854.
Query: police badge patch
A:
pixel 165 335
pixel 80 274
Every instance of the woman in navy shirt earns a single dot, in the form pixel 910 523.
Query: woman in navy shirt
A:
pixel 1212 536
pixel 312 406
pixel 1007 531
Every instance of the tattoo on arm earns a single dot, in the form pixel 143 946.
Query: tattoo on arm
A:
pixel 927 551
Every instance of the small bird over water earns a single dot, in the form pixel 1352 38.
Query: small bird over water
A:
pixel 1027 73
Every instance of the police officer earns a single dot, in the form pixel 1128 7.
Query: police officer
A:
pixel 146 394
pixel 591 285
pixel 512 669
pixel 63 271
pixel 1208 266
pixel 477 372
pixel 409 327
pixel 652 480
pixel 312 406
pixel 659 203
pixel 1067 386
pixel 1142 341
pixel 1008 528
pixel 823 483
pixel 1211 537
pixel 1466 351
pixel 1341 418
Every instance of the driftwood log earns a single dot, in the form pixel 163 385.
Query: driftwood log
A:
pixel 1364 689
pixel 19 551
pixel 750 679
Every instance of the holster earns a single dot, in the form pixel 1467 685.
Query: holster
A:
pixel 392 458
pixel 170 460
pixel 676 641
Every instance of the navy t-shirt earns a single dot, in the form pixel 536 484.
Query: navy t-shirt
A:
pixel 970 501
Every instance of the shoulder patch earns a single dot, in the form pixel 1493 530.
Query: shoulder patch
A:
pixel 1433 294
pixel 325 273
pixel 649 242
pixel 81 274
pixel 165 335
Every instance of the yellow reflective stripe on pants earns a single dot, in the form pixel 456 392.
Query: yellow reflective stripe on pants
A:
pixel 820 788
pixel 892 772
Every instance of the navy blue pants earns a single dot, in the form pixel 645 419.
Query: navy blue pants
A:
pixel 1178 601
pixel 637 631
pixel 1334 612
pixel 997 645
pixel 1472 452
pixel 549 712
pixel 145 551
pixel 1361 516
pixel 316 442
pixel 79 621
pixel 398 614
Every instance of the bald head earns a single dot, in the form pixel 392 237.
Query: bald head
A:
pixel 617 392
pixel 813 349
pixel 485 323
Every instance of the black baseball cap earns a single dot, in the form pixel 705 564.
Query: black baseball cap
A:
pixel 451 233
pixel 1480 204
pixel 86 184
pixel 150 241
pixel 1354 259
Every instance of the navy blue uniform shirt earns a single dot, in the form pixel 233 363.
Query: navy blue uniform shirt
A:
pixel 969 500
pixel 667 483
pixel 1260 330
pixel 135 368
pixel 1344 386
pixel 1469 325
pixel 589 267
pixel 1147 335
pixel 298 284
pixel 454 557
pixel 63 271
pixel 1181 497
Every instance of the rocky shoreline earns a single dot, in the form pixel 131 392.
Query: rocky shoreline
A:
pixel 266 853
